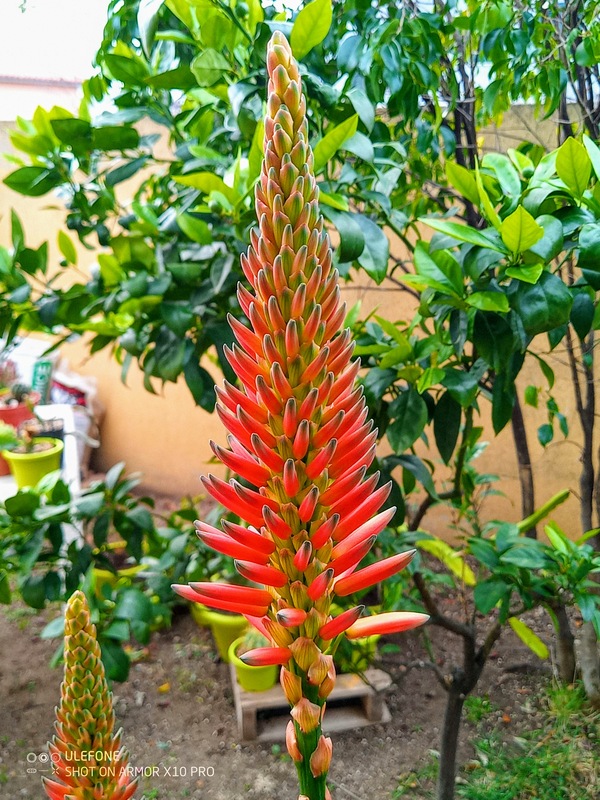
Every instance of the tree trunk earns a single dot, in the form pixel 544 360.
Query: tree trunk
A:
pixel 449 745
pixel 524 460
pixel 565 646
pixel 589 660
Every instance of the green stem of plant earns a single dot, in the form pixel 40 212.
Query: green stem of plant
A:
pixel 543 511
pixel 313 788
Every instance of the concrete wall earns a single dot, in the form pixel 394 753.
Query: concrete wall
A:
pixel 166 436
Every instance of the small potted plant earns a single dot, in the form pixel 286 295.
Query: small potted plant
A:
pixel 252 679
pixel 16 401
pixel 29 459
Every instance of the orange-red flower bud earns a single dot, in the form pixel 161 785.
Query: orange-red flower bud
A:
pixel 266 656
pixel 340 623
pixel 390 622
pixel 307 715
pixel 291 742
pixel 321 757
pixel 372 574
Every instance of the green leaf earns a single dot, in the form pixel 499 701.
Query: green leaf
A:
pixel 573 166
pixel 310 27
pixel 434 275
pixel 544 305
pixel 352 240
pixel 335 137
pixel 209 67
pixel 410 417
pixel 520 231
pixel 115 660
pixel 525 274
pixel 33 181
pixel 133 605
pixel 545 434
pixel 200 384
pixel 528 637
pixel 113 137
pixel 463 180
pixel 147 20
pixel 54 628
pixel 5 594
pixel 488 594
pixel 507 175
pixel 527 555
pixel 589 254
pixel 446 425
pixel 129 71
pixel 593 152
pixel 69 130
pixel 449 558
pixel 67 248
pixel 486 204
pixel 551 243
pixel 582 314
pixel 125 171
pixel 207 182
pixel 194 228
pixel 488 301
pixel 376 252
pixel 363 107
pixel 462 233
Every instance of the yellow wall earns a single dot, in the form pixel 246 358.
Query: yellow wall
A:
pixel 166 436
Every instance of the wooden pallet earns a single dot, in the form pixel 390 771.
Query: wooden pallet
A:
pixel 354 703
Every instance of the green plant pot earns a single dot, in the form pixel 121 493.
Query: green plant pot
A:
pixel 104 577
pixel 252 679
pixel 200 614
pixel 226 628
pixel 29 468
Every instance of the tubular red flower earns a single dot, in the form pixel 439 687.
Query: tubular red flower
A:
pixel 340 623
pixel 261 574
pixel 372 574
pixel 266 656
pixel 390 622
pixel 216 602
pixel 229 547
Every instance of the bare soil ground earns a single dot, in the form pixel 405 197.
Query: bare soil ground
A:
pixel 185 736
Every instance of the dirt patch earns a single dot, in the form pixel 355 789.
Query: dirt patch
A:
pixel 179 723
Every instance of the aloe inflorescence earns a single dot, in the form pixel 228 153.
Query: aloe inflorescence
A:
pixel 299 434
pixel 88 762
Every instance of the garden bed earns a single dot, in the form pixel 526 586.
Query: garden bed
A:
pixel 179 721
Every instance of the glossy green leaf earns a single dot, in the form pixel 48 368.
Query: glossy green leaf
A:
pixel 489 593
pixel 147 20
pixel 446 425
pixel 376 252
pixel 486 204
pixel 334 138
pixel 462 233
pixel 209 66
pixel 410 417
pixel 573 166
pixel 352 239
pixel 488 301
pixel 125 171
pixel 593 152
pixel 206 182
pixel 363 107
pixel 444 276
pixel 194 228
pixel 67 248
pixel 33 181
pixel 582 314
pixel 507 175
pixel 520 231
pixel 524 273
pixel 463 181
pixel 310 27
pixel 544 305
pixel 115 137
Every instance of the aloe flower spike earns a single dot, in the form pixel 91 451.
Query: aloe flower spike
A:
pixel 300 436
pixel 86 756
